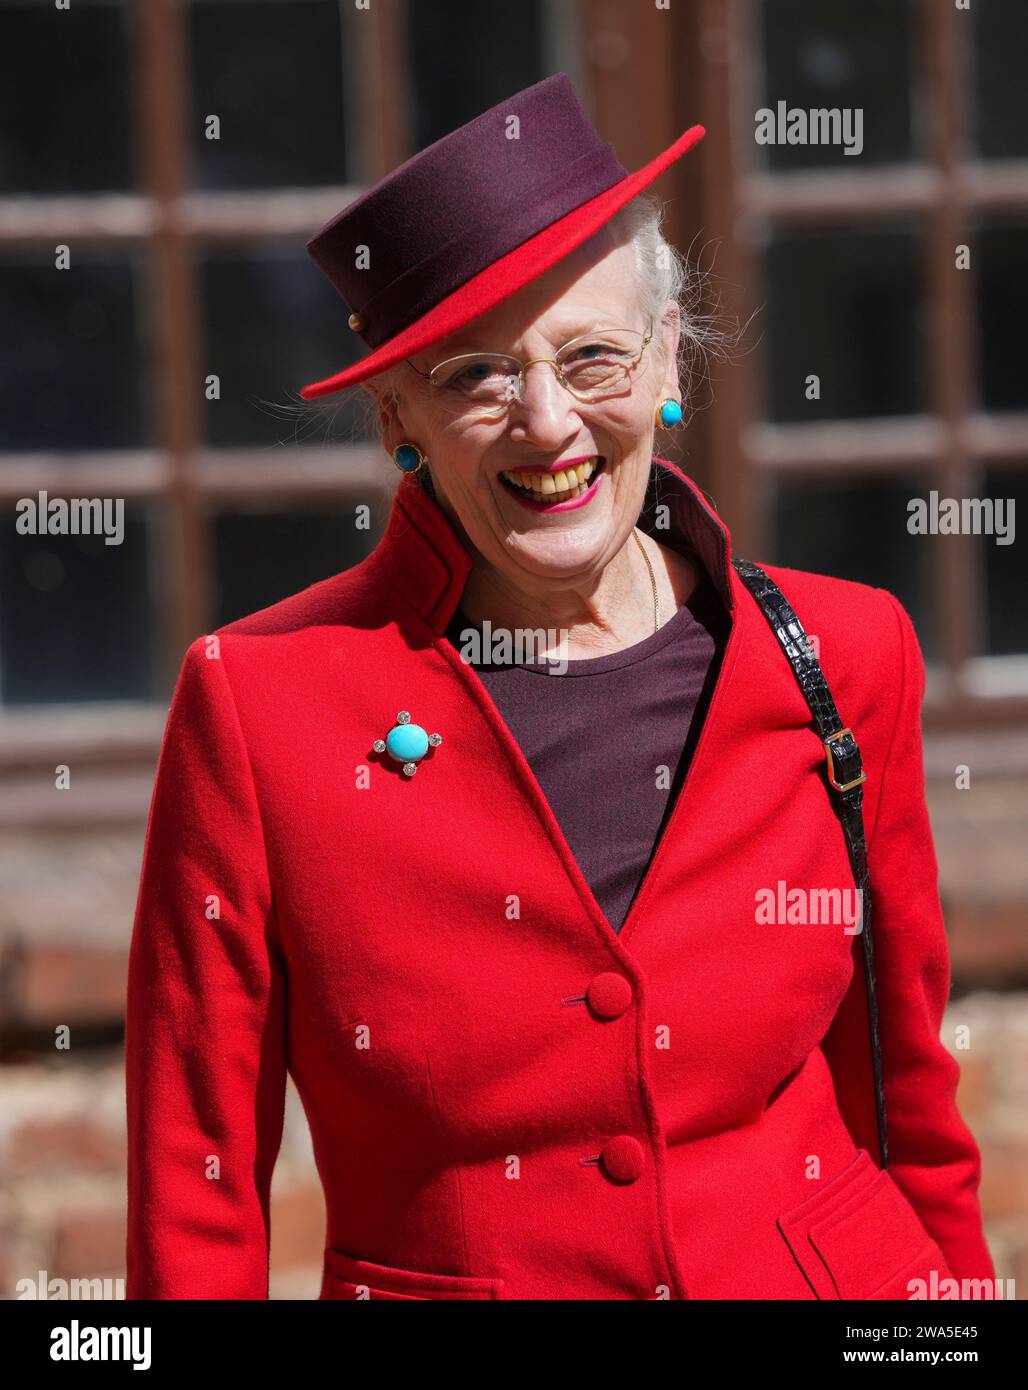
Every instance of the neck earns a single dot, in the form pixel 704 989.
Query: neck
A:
pixel 604 615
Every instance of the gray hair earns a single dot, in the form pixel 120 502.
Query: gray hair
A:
pixel 665 273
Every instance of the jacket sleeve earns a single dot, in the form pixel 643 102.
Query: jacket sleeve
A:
pixel 204 1031
pixel 933 1156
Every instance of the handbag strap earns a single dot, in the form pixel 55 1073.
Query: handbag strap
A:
pixel 845 776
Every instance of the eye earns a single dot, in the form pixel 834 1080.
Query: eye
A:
pixel 589 352
pixel 476 371
pixel 467 375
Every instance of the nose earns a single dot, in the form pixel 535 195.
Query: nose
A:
pixel 545 413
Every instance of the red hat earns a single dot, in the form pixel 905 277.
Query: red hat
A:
pixel 471 219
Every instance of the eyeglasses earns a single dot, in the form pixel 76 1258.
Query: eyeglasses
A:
pixel 592 367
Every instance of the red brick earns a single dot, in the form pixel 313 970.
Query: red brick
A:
pixel 88 1243
pixel 63 984
pixel 67 1145
pixel 1004 1187
pixel 298 1227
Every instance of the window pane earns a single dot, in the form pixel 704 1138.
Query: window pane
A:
pixel 271 71
pixel 854 528
pixel 65 113
pixel 837 55
pixel 1006 610
pixel 76 615
pixel 273 324
pixel 843 306
pixel 263 556
pixel 467 55
pixel 70 353
pixel 1002 261
pixel 1000 96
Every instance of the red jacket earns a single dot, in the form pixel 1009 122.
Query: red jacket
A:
pixel 508 1099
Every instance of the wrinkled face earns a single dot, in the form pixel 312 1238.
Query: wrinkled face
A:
pixel 530 534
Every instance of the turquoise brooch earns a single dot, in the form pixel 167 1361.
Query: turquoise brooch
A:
pixel 407 743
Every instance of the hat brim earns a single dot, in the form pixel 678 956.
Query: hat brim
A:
pixel 507 275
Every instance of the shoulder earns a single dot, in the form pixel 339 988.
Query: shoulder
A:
pixel 258 655
pixel 868 650
pixel 847 614
pixel 863 638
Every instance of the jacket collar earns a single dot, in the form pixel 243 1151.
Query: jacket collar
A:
pixel 423 557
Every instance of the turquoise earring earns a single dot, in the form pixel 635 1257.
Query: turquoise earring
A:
pixel 408 458
pixel 669 414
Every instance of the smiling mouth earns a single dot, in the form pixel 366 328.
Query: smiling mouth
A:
pixel 554 487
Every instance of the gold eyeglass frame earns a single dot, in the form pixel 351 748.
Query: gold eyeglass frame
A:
pixel 554 362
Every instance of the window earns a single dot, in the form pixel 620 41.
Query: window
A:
pixel 892 283
pixel 183 154
pixel 162 365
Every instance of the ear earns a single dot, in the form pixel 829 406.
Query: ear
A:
pixel 389 416
pixel 670 333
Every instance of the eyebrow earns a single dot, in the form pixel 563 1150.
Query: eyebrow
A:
pixel 466 342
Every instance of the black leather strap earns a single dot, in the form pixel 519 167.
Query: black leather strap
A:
pixel 844 775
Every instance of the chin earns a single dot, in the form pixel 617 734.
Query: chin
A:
pixel 563 550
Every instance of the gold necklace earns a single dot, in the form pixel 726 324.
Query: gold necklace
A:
pixel 653 582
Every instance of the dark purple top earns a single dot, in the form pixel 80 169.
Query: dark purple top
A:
pixel 610 740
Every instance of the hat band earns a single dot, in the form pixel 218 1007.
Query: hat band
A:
pixel 422 286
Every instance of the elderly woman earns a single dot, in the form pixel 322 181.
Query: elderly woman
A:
pixel 535 848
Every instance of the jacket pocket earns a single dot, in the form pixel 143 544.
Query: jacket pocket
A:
pixel 347 1277
pixel 857 1237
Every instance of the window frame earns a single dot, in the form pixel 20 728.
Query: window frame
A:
pixel 181 477
pixel 952 190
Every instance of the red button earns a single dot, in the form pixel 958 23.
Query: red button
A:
pixel 609 995
pixel 623 1158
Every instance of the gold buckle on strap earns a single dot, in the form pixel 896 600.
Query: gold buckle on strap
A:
pixel 840 786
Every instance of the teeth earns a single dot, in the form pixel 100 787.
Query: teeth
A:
pixel 542 486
